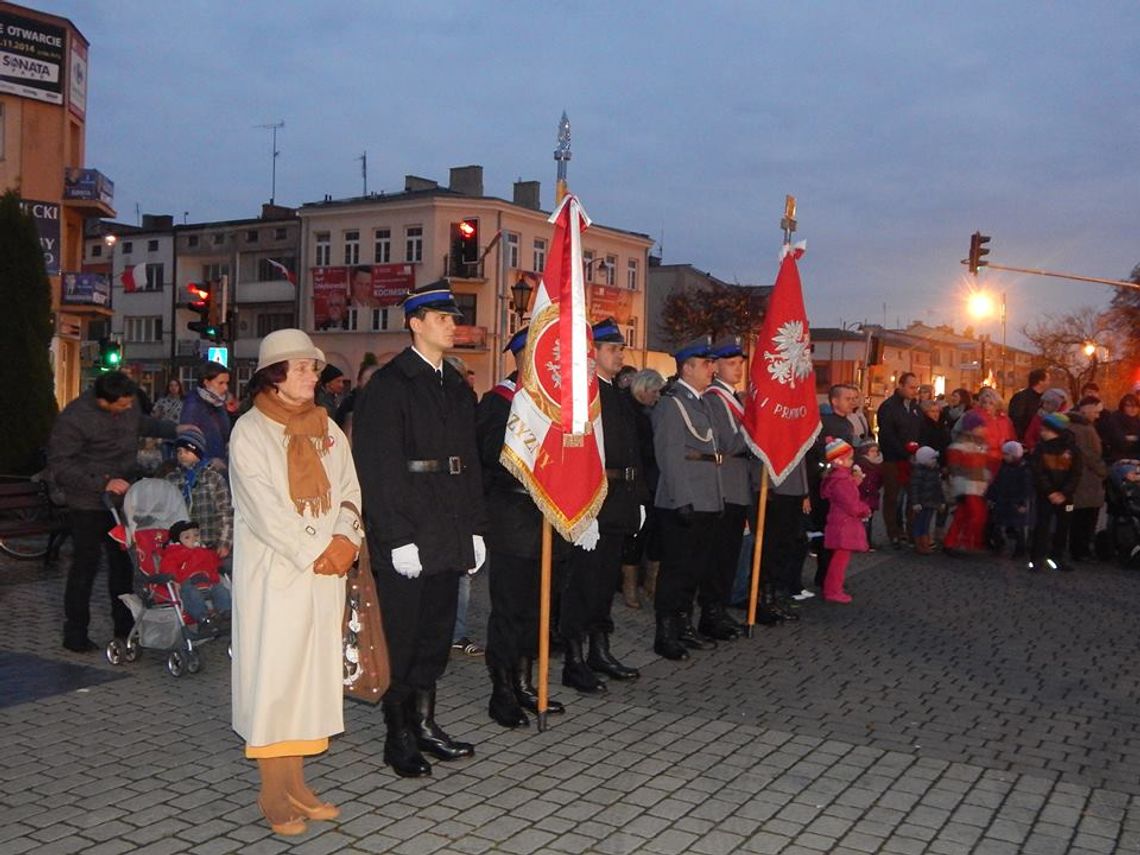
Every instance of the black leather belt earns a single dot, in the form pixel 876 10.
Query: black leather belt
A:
pixel 447 465
pixel 716 457
pixel 629 473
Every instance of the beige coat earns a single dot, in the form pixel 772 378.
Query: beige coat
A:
pixel 287 650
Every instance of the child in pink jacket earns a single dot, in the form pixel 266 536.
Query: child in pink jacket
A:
pixel 844 532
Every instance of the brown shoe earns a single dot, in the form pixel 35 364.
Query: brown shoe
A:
pixel 629 586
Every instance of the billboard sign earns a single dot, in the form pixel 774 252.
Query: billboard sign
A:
pixel 330 298
pixel 87 185
pixel 31 58
pixel 46 215
pixel 86 289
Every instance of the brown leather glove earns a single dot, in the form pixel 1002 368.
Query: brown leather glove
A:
pixel 337 557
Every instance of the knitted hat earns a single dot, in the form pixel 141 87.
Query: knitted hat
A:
pixel 926 456
pixel 283 345
pixel 972 420
pixel 330 373
pixel 193 439
pixel 836 449
pixel 1055 396
pixel 911 447
pixel 1056 422
pixel 1012 450
pixel 178 528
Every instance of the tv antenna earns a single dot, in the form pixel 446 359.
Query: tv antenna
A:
pixel 274 126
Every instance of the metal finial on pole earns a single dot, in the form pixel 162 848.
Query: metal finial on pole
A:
pixel 788 223
pixel 274 126
pixel 562 156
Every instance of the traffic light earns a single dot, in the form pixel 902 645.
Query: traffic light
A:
pixel 978 248
pixel 110 355
pixel 202 304
pixel 464 246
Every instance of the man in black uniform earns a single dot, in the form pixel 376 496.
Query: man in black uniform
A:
pixel 514 543
pixel 418 463
pixel 592 575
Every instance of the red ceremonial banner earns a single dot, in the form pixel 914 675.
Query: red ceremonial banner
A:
pixel 781 414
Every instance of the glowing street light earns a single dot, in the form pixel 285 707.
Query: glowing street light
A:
pixel 980 304
pixel 1090 349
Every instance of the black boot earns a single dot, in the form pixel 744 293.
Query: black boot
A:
pixel 527 695
pixel 576 673
pixel 668 643
pixel 600 658
pixel 688 635
pixel 715 623
pixel 504 706
pixel 400 750
pixel 429 735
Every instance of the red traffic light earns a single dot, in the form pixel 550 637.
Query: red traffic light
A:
pixel 200 294
pixel 467 229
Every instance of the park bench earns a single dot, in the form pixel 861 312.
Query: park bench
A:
pixel 31 524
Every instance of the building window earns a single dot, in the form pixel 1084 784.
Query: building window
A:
pixel 214 272
pixel 268 322
pixel 588 264
pixel 385 320
pixel 154 277
pixel 96 250
pixel 192 240
pixel 382 246
pixel 610 271
pixel 350 318
pixel 152 246
pixel 512 250
pixel 414 243
pixel 631 275
pixel 280 234
pixel 128 247
pixel 219 239
pixel 251 236
pixel 539 255
pixel 142 330
pixel 266 272
pixel 468 304
pixel 352 247
pixel 323 256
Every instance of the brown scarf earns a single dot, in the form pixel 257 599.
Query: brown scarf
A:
pixel 306 427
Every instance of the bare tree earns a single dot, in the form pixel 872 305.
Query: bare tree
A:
pixel 717 310
pixel 1063 342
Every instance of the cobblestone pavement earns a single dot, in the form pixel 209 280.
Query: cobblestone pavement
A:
pixel 956 707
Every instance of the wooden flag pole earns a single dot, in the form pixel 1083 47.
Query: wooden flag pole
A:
pixel 757 549
pixel 544 625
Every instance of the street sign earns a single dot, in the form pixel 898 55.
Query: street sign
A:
pixel 220 355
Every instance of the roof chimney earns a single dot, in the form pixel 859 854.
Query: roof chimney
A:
pixel 157 222
pixel 413 183
pixel 528 194
pixel 467 180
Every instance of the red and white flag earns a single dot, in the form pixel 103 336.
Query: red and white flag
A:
pixel 781 414
pixel 285 272
pixel 553 443
pixel 134 278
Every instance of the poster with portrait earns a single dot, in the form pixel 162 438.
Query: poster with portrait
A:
pixel 330 298
pixel 609 302
pixel 380 286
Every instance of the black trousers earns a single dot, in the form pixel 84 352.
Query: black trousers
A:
pixel 419 617
pixel 1050 531
pixel 588 587
pixel 785 545
pixel 688 556
pixel 716 588
pixel 89 533
pixel 1081 532
pixel 512 627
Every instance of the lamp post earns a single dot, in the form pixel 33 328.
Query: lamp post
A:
pixel 981 305
pixel 520 297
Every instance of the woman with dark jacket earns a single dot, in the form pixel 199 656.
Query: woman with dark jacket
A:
pixel 1120 430
pixel 1089 495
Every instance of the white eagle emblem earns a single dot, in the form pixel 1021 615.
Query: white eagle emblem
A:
pixel 553 365
pixel 792 359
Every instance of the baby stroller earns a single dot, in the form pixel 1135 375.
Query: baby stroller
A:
pixel 1120 539
pixel 150 507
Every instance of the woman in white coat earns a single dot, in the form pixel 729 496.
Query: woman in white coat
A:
pixel 296 533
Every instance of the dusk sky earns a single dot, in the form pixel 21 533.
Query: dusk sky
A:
pixel 900 127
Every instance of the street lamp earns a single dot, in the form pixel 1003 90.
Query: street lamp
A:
pixel 1090 349
pixel 520 297
pixel 980 305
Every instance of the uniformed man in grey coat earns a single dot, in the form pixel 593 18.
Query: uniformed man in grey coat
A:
pixel 689 500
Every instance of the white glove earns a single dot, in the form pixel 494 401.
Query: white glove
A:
pixel 406 560
pixel 641 510
pixel 588 540
pixel 480 553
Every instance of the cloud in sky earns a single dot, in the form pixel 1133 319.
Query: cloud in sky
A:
pixel 900 127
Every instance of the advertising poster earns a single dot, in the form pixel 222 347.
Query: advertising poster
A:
pixel 31 59
pixel 77 79
pixel 46 215
pixel 608 302
pixel 87 185
pixel 379 286
pixel 330 298
pixel 86 289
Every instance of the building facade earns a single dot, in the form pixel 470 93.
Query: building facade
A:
pixel 360 256
pixel 43 115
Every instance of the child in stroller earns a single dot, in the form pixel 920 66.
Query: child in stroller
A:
pixel 195 571
pixel 1121 537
